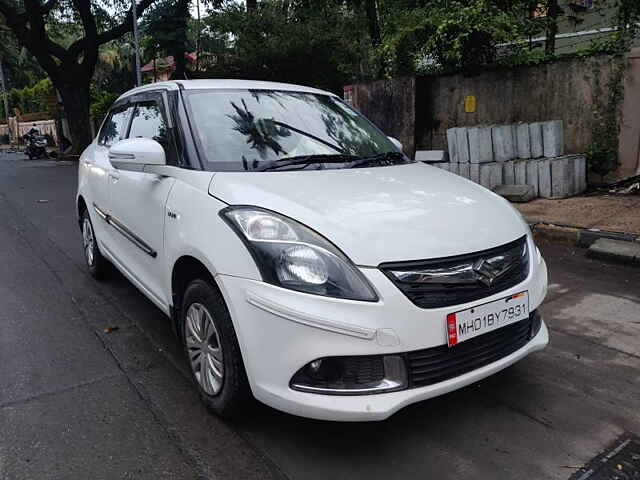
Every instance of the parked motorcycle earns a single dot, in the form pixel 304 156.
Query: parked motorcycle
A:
pixel 36 145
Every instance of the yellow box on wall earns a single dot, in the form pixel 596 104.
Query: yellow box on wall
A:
pixel 470 104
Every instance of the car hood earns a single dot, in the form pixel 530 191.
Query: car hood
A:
pixel 382 214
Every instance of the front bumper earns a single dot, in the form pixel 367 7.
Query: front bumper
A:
pixel 280 331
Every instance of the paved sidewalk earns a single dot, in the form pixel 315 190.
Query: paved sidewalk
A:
pixel 614 213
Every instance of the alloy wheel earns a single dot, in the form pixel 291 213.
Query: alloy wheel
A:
pixel 88 241
pixel 204 348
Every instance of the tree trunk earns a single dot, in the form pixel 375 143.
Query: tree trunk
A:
pixel 553 10
pixel 180 50
pixel 252 5
pixel 75 98
pixel 374 21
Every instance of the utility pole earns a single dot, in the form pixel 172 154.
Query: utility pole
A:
pixel 136 45
pixel 5 96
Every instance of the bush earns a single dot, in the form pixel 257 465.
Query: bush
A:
pixel 29 99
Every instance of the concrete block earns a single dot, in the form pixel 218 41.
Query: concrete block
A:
pixel 523 141
pixel 504 147
pixel 553 138
pixel 491 175
pixel 586 238
pixel 453 168
pixel 508 173
pixel 544 178
pixel 480 145
pixel 535 140
pixel 474 172
pixel 451 143
pixel 432 156
pixel 532 175
pixel 520 172
pixel 580 171
pixel 562 177
pixel 464 170
pixel 516 193
pixel 615 251
pixel 462 146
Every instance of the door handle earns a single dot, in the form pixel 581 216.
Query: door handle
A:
pixel 114 176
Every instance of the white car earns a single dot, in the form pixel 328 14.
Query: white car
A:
pixel 303 259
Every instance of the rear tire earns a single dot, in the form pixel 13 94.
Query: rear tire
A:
pixel 98 265
pixel 212 350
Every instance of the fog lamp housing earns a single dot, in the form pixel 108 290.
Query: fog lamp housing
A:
pixel 357 375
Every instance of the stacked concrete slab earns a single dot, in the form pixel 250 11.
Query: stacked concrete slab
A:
pixel 520 154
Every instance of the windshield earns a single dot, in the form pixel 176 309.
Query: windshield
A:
pixel 249 130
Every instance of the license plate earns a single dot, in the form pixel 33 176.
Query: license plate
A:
pixel 467 324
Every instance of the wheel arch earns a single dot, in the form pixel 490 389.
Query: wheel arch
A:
pixel 81 207
pixel 186 269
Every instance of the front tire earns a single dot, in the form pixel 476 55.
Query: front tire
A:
pixel 212 350
pixel 98 265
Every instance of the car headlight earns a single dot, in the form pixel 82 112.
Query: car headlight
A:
pixel 293 256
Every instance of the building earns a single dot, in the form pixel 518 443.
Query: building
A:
pixel 161 69
pixel 580 23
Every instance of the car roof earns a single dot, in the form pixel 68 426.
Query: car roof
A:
pixel 223 84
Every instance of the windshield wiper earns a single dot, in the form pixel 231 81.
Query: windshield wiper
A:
pixel 308 160
pixel 349 161
pixel 384 159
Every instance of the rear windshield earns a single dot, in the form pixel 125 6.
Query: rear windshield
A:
pixel 244 130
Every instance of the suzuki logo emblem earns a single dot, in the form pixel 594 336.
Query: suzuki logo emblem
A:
pixel 485 273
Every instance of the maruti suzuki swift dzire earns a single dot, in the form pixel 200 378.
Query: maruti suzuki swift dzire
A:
pixel 302 258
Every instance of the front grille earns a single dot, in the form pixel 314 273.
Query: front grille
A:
pixel 438 364
pixel 463 278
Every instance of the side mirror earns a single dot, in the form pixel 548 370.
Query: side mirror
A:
pixel 135 153
pixel 397 143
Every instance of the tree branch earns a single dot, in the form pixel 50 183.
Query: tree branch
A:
pixel 35 37
pixel 86 17
pixel 48 6
pixel 116 32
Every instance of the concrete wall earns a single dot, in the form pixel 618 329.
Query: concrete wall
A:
pixel 629 153
pixel 426 107
pixel 46 127
pixel 391 105
pixel 558 91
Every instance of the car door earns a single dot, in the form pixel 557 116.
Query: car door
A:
pixel 99 169
pixel 138 202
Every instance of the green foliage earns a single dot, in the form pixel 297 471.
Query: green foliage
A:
pixel 165 28
pixel 21 69
pixel 450 35
pixel 101 101
pixel 602 154
pixel 323 45
pixel 29 99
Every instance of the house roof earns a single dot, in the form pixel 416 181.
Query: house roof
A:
pixel 167 62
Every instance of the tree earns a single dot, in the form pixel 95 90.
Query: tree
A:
pixel 317 43
pixel 448 34
pixel 553 11
pixel 71 67
pixel 166 29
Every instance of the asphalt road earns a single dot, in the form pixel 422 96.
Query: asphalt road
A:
pixel 80 399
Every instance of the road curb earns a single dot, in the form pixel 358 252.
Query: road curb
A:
pixel 627 253
pixel 580 237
